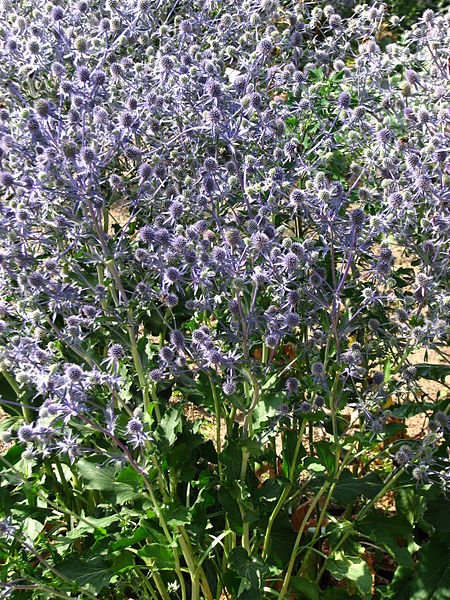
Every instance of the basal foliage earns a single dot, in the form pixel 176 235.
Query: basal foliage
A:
pixel 243 205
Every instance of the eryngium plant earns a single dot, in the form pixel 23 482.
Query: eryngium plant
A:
pixel 244 207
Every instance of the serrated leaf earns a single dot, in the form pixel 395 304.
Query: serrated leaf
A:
pixel 437 513
pixel 267 408
pixel 123 562
pixel 387 532
pixel 91 574
pixel 431 579
pixel 433 372
pixel 251 569
pixel 160 555
pixel 176 514
pixel 168 429
pixel 32 528
pixel 311 464
pixel 348 488
pixel 90 524
pixel 133 538
pixel 409 504
pixel 353 568
pixel 101 478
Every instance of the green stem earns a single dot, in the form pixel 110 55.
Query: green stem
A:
pixel 162 521
pixel 392 478
pixel 403 357
pixel 160 585
pixel 197 573
pixel 230 420
pixel 327 350
pixel 218 439
pixel 347 459
pixel 62 509
pixel 146 582
pixel 155 401
pixel 285 492
pixel 134 350
pixel 26 412
pixel 162 335
pixel 67 488
pixel 101 281
pixel 245 430
pixel 290 568
pixel 273 516
pixel 311 438
pixel 265 354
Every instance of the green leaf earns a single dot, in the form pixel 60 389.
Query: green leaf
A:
pixel 387 369
pixel 400 586
pixel 177 514
pixel 13 456
pixel 90 524
pixel 270 491
pixel 123 562
pixel 348 488
pixel 433 372
pixel 6 423
pixel 251 569
pixel 181 459
pixel 254 448
pixel 316 74
pixel 291 124
pixel 353 568
pixel 168 429
pixel 32 528
pixel 431 580
pixel 101 478
pixel 198 390
pixel 7 393
pixel 161 556
pixel 337 76
pixel 313 465
pixel 308 589
pixel 232 459
pixel 290 439
pixel 267 408
pixel 409 504
pixel 91 574
pixel 386 532
pixel 125 542
pixel 437 513
pixel 128 475
pixel 282 541
pixel 325 455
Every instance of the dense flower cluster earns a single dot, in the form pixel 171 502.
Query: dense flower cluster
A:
pixel 253 195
